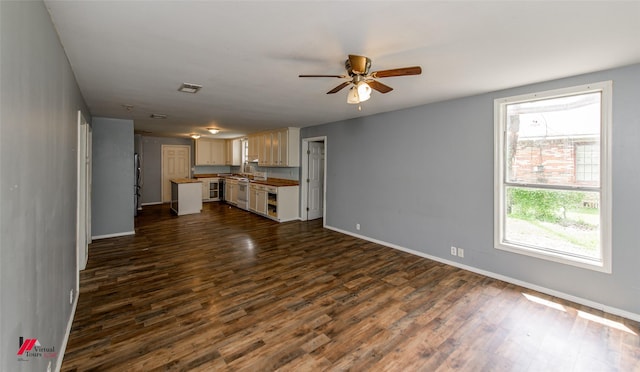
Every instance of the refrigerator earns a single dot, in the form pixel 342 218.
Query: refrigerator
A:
pixel 137 183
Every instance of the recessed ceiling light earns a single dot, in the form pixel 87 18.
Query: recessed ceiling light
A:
pixel 158 116
pixel 213 130
pixel 189 88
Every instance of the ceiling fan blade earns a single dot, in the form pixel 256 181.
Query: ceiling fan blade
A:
pixel 358 64
pixel 382 88
pixel 404 71
pixel 339 87
pixel 335 76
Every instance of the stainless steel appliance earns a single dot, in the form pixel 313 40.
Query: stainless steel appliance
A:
pixel 137 163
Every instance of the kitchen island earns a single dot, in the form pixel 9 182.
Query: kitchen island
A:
pixel 186 196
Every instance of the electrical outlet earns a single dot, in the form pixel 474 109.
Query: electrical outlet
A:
pixel 454 251
pixel 71 297
pixel 49 367
pixel 460 252
pixel 357 226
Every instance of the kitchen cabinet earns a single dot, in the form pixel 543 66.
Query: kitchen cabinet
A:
pixel 264 149
pixel 258 199
pixel 231 191
pixel 210 189
pixel 210 151
pixel 253 149
pixel 234 152
pixel 186 196
pixel 282 203
pixel 279 148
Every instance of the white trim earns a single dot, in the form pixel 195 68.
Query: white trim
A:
pixel 152 203
pixel 535 287
pixel 605 190
pixel 67 333
pixel 82 196
pixel 114 235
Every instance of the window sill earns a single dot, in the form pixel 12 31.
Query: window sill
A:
pixel 584 263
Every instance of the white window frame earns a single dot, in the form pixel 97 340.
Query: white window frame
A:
pixel 604 263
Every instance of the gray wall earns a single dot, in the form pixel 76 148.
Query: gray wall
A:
pixel 39 99
pixel 113 181
pixel 422 179
pixel 151 165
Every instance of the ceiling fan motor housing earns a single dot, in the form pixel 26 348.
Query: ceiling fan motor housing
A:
pixel 357 65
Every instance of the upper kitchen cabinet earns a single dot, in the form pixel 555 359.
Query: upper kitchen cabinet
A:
pixel 254 147
pixel 210 151
pixel 264 149
pixel 234 152
pixel 279 148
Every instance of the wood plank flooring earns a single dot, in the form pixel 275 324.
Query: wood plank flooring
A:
pixel 229 290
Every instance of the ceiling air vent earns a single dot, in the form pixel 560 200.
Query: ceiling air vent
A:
pixel 190 88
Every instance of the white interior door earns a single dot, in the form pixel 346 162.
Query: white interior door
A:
pixel 176 160
pixel 315 194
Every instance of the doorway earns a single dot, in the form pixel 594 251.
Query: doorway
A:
pixel 176 163
pixel 314 162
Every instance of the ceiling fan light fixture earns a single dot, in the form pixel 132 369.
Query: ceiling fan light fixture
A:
pixel 352 96
pixel 364 91
pixel 213 130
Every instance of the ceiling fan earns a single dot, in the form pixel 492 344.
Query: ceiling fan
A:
pixel 363 81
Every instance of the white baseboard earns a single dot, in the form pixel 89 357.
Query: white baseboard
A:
pixel 113 235
pixel 67 333
pixel 552 292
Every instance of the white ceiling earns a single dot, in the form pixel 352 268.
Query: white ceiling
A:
pixel 247 55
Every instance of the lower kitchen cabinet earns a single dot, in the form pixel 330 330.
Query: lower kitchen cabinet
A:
pixel 258 199
pixel 277 203
pixel 211 189
pixel 231 191
pixel 186 196
pixel 282 203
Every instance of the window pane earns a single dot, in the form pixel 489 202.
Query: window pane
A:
pixel 558 221
pixel 554 141
pixel 587 163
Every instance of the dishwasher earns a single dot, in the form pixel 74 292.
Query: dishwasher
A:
pixel 243 193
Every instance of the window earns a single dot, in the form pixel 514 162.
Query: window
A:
pixel 245 155
pixel 587 162
pixel 552 175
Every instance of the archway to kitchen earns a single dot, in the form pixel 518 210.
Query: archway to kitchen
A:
pixel 312 203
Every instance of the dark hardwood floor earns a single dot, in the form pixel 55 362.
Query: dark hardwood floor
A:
pixel 229 290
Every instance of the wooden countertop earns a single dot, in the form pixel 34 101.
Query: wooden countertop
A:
pixel 185 180
pixel 208 175
pixel 277 182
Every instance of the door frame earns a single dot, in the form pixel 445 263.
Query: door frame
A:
pixel 304 190
pixel 162 147
pixel 83 194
